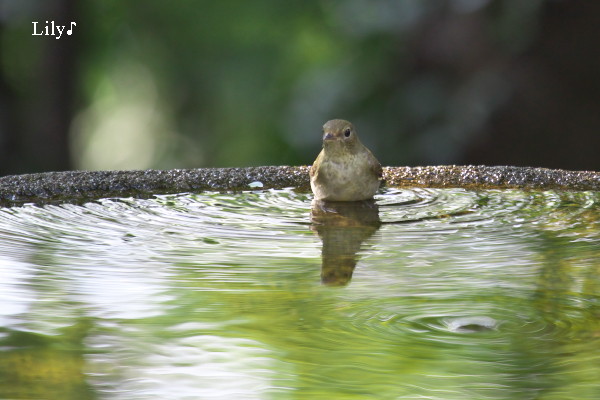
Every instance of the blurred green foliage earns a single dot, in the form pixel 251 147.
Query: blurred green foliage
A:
pixel 158 84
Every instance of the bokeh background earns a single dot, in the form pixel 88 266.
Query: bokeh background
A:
pixel 184 84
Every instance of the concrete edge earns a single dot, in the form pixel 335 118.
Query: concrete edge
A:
pixel 80 186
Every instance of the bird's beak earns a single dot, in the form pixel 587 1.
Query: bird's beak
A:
pixel 328 136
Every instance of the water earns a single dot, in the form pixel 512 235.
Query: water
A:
pixel 430 294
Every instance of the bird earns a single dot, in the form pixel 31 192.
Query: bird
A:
pixel 345 170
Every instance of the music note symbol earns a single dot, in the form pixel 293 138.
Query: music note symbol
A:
pixel 70 31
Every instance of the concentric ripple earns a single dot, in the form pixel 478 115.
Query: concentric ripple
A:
pixel 420 209
pixel 466 208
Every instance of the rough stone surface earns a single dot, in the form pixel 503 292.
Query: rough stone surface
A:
pixel 79 186
pixel 485 177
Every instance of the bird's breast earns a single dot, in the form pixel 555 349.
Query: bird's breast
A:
pixel 345 179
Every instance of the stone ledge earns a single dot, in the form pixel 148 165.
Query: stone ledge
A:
pixel 78 186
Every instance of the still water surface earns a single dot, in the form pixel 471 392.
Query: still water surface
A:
pixel 427 294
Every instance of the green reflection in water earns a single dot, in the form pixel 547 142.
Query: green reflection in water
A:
pixel 444 294
pixel 37 366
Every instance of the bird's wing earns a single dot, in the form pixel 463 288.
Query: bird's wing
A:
pixel 313 168
pixel 375 166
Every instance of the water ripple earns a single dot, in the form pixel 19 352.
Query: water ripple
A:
pixel 485 288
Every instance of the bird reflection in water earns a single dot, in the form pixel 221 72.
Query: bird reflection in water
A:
pixel 342 227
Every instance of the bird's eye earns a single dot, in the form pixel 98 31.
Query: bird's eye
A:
pixel 347 132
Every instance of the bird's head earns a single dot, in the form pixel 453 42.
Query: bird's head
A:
pixel 339 134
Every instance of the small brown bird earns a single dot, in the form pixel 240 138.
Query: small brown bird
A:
pixel 345 170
